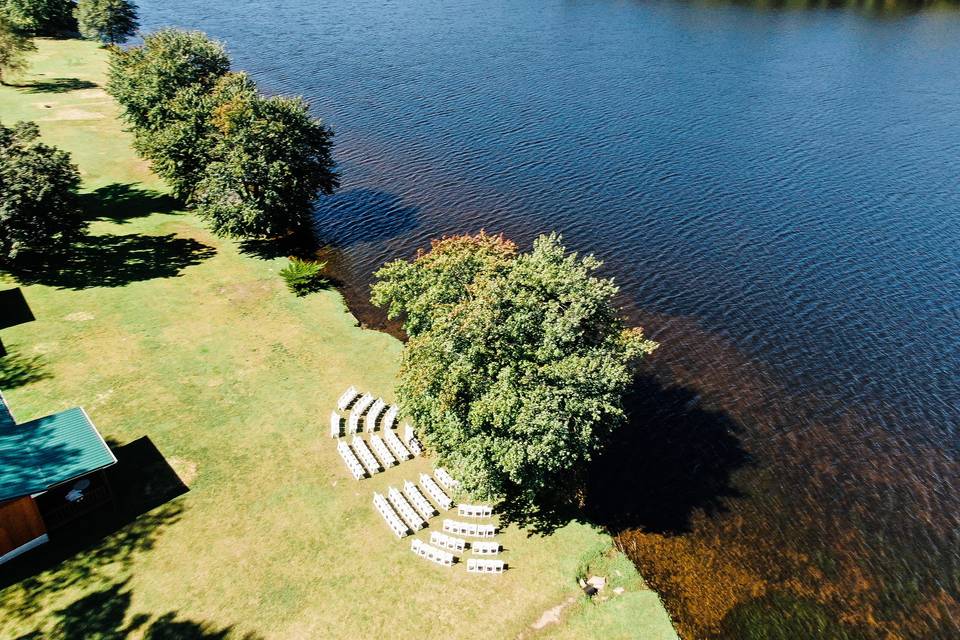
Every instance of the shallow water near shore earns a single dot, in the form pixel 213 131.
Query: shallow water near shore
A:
pixel 776 194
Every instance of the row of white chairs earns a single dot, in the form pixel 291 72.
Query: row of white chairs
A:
pixel 350 460
pixel 435 492
pixel 400 451
pixel 366 401
pixel 347 397
pixel 371 420
pixel 480 565
pixel 363 452
pixel 431 553
pixel 389 515
pixel 475 510
pixel 446 479
pixel 470 529
pixel 485 548
pixel 410 438
pixel 447 542
pixel 421 504
pixel 382 452
pixel 411 517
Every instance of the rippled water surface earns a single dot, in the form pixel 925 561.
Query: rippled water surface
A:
pixel 776 193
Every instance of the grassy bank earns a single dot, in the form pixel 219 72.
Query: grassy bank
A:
pixel 161 330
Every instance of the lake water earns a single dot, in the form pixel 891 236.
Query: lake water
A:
pixel 776 192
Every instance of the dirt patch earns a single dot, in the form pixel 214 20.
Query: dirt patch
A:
pixel 79 316
pixel 72 113
pixel 186 470
pixel 553 614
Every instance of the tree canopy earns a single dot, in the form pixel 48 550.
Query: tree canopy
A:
pixel 110 21
pixel 40 17
pixel 145 79
pixel 270 161
pixel 516 363
pixel 251 165
pixel 39 207
pixel 14 48
pixel 180 151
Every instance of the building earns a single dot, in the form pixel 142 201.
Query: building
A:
pixel 51 472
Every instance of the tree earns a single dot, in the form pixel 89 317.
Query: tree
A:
pixel 516 363
pixel 39 206
pixel 145 79
pixel 270 161
pixel 14 48
pixel 180 151
pixel 40 17
pixel 110 21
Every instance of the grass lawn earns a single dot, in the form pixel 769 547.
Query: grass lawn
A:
pixel 160 329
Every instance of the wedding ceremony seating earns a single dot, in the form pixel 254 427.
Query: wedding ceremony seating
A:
pixel 431 553
pixel 475 510
pixel 470 529
pixel 389 515
pixel 435 492
pixel 400 451
pixel 334 424
pixel 351 460
pixel 382 452
pixel 448 542
pixel 485 548
pixel 421 504
pixel 411 517
pixel 366 458
pixel 348 396
pixel 411 440
pixel 390 417
pixel 480 565
pixel 373 414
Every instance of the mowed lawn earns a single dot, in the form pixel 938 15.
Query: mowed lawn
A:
pixel 161 330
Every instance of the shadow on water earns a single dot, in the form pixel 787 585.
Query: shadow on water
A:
pixel 361 215
pixel 144 487
pixel 103 615
pixel 113 261
pixel 671 459
pixel 57 85
pixel 120 202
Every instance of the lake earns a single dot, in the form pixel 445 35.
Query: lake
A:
pixel 775 191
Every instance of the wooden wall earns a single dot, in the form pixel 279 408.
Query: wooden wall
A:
pixel 20 522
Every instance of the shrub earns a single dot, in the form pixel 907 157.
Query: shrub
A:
pixel 304 276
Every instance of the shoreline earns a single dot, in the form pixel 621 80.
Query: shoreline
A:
pixel 213 338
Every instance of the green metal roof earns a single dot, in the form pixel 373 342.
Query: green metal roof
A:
pixel 38 454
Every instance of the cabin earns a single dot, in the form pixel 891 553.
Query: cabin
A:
pixel 51 472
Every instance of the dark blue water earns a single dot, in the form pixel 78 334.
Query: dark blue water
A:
pixel 776 193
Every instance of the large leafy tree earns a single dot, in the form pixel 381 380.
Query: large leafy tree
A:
pixel 180 151
pixel 39 207
pixel 516 363
pixel 270 162
pixel 41 17
pixel 145 79
pixel 110 21
pixel 14 48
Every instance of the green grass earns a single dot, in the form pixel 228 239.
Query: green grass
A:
pixel 160 329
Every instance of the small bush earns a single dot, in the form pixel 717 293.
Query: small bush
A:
pixel 304 276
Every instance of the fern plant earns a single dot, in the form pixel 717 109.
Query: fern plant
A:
pixel 304 276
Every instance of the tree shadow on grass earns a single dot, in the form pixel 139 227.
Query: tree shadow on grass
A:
pixel 671 459
pixel 103 615
pixel 18 370
pixel 113 261
pixel 57 85
pixel 120 202
pixel 144 488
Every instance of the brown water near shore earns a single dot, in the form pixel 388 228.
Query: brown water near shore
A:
pixel 776 194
